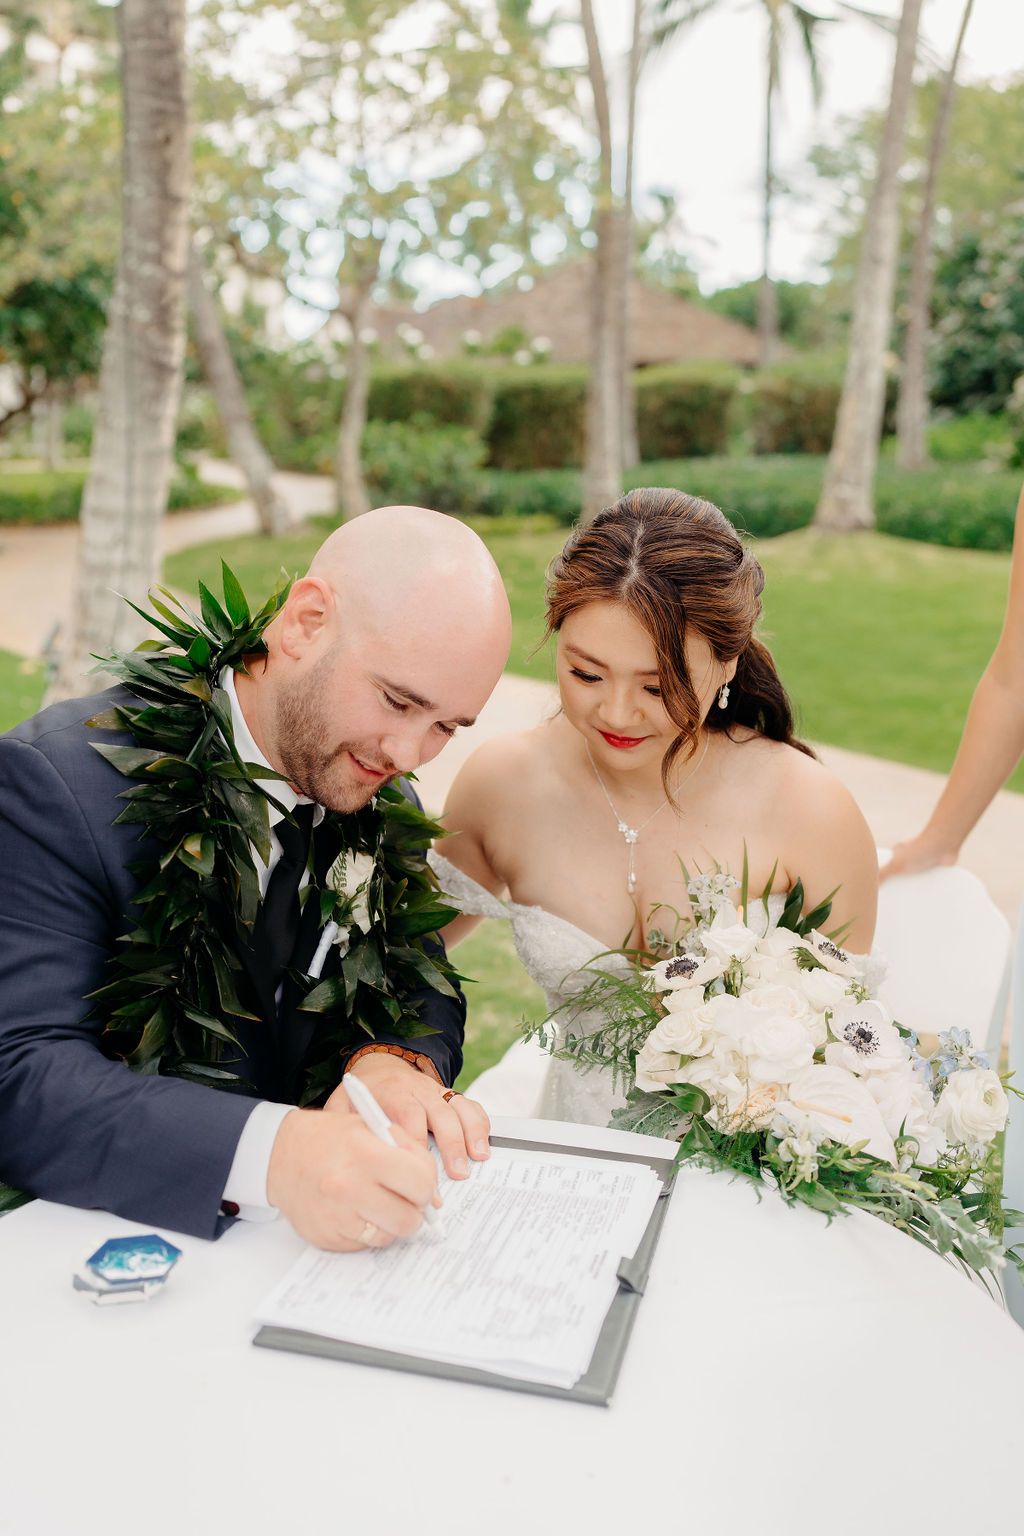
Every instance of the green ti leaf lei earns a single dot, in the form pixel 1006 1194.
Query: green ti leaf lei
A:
pixel 179 987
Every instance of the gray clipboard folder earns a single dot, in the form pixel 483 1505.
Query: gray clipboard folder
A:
pixel 597 1383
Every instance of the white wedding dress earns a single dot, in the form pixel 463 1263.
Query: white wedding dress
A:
pixel 561 958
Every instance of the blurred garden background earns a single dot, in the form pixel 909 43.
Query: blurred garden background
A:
pixel 409 248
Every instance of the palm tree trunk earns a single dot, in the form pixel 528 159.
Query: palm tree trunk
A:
pixel 630 441
pixel 767 299
pixel 602 461
pixel 912 409
pixel 143 350
pixel 223 378
pixel 847 500
pixel 349 485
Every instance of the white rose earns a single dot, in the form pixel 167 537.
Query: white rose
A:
pixel 721 1016
pixel 777 1048
pixel 866 1040
pixel 822 989
pixel 972 1107
pixel 762 967
pixel 679 1032
pixel 919 1123
pixel 775 956
pixel 782 943
pixel 777 998
pixel 729 941
pixel 655 1068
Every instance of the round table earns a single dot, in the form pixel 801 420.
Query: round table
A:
pixel 784 1376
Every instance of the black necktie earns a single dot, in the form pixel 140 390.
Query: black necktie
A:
pixel 277 923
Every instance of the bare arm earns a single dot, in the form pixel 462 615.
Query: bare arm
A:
pixel 992 742
pixel 831 846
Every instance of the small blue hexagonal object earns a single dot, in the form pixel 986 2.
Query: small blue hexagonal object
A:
pixel 132 1260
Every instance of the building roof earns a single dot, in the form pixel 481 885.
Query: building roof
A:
pixel 664 328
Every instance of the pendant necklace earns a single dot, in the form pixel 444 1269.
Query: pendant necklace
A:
pixel 630 834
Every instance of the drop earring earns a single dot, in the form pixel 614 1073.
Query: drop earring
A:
pixel 723 697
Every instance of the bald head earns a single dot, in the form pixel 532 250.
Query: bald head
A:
pixel 394 638
pixel 430 569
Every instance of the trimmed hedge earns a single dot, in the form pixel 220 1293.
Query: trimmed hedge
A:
pixel 554 493
pixel 537 418
pixel 956 506
pixel 529 417
pixel 685 412
pixel 56 497
pixel 454 396
pixel 794 409
pixel 793 405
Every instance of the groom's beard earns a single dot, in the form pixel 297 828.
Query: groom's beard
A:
pixel 321 771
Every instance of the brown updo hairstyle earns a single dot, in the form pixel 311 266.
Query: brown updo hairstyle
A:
pixel 676 561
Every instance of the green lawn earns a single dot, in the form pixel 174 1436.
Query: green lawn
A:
pixel 21 689
pixel 500 998
pixel 881 641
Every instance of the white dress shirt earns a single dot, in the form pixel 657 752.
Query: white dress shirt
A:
pixel 246 1183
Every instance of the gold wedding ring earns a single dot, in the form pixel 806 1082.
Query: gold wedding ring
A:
pixel 368 1233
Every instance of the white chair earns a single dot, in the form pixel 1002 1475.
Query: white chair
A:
pixel 1013 1151
pixel 513 1085
pixel 947 947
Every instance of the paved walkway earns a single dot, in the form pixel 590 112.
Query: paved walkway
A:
pixel 37 564
pixel 36 575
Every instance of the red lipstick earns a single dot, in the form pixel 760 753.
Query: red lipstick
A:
pixel 622 742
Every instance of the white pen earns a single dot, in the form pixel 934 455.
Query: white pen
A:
pixel 327 938
pixel 370 1112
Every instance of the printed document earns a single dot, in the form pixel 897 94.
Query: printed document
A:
pixel 515 1278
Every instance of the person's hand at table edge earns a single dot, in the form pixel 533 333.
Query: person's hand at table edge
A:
pixel 420 1104
pixel 341 1187
pixel 916 855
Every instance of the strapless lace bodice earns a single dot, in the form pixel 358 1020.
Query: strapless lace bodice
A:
pixel 555 952
pixel 558 956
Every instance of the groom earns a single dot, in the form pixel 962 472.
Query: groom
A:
pixel 394 638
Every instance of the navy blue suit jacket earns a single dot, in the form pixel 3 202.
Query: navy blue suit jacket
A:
pixel 76 1126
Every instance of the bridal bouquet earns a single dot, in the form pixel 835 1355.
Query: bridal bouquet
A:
pixel 761 1050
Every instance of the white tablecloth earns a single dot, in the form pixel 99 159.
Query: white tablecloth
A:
pixel 784 1376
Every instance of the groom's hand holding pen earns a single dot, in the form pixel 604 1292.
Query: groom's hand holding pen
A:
pixel 342 1187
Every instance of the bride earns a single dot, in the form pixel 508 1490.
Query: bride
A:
pixel 673 747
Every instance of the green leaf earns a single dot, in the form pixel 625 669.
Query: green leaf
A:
pixel 200 651
pixel 327 997
pixel 209 1021
pixel 214 614
pixel 793 907
pixel 198 851
pixel 108 720
pixel 234 598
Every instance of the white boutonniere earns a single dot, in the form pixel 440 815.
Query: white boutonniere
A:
pixel 349 878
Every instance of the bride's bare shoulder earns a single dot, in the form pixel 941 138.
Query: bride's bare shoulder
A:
pixel 503 767
pixel 799 785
